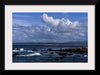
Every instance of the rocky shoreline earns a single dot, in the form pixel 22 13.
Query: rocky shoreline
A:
pixel 61 52
pixel 83 49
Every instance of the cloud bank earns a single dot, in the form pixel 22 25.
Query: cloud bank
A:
pixel 54 30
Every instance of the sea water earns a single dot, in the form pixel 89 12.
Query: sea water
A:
pixel 41 54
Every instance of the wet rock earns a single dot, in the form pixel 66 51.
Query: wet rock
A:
pixel 62 57
pixel 15 54
pixel 34 49
pixel 41 53
pixel 62 53
pixel 51 52
pixel 56 59
pixel 49 49
pixel 16 49
pixel 69 54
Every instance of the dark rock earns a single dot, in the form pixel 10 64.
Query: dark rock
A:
pixel 62 57
pixel 56 59
pixel 62 53
pixel 16 49
pixel 69 54
pixel 34 49
pixel 49 49
pixel 15 54
pixel 41 53
pixel 51 52
pixel 78 49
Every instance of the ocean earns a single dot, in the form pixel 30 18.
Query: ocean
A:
pixel 50 53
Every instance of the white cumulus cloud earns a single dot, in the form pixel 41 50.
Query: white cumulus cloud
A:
pixel 55 22
pixel 50 20
pixel 54 30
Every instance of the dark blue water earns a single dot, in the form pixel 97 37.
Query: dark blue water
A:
pixel 41 54
pixel 43 46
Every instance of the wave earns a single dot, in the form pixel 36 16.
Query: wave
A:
pixel 18 50
pixel 33 54
pixel 29 51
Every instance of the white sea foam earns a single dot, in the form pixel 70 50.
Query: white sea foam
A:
pixel 29 51
pixel 16 51
pixel 85 55
pixel 33 54
pixel 21 49
pixel 76 55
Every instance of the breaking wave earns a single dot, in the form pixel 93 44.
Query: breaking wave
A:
pixel 33 54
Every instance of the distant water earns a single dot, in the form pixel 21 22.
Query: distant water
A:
pixel 44 46
pixel 43 55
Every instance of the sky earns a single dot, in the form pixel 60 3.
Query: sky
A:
pixel 50 27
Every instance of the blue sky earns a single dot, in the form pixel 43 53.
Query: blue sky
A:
pixel 49 27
